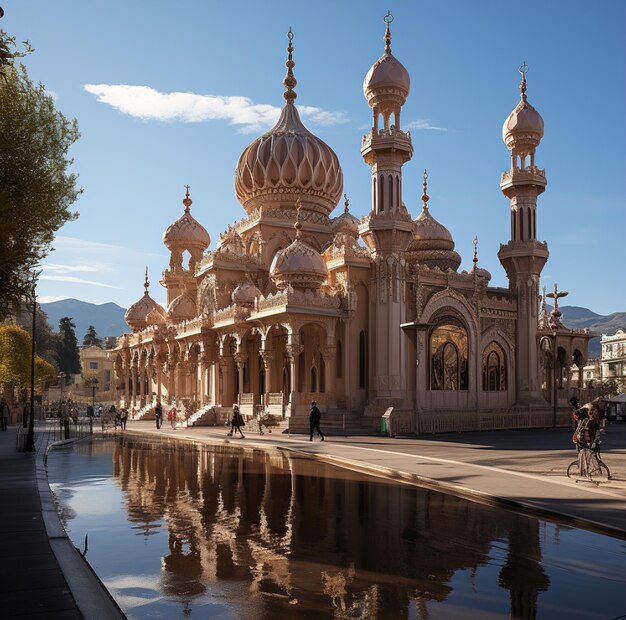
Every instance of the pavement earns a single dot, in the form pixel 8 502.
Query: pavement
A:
pixel 41 573
pixel 524 470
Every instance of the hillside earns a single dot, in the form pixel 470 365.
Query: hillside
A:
pixel 108 319
pixel 574 316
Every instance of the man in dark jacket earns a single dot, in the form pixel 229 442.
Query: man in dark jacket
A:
pixel 158 414
pixel 314 421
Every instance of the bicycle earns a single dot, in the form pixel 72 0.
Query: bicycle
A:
pixel 589 464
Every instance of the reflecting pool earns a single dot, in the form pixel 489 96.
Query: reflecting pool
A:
pixel 180 530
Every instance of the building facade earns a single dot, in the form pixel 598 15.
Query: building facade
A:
pixel 294 305
pixel 613 361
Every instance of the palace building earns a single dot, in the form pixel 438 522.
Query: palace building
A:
pixel 293 304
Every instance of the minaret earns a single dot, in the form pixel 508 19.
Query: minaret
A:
pixel 388 229
pixel 523 257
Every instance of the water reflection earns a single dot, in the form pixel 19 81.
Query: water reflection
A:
pixel 267 535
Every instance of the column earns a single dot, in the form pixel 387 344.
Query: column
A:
pixel 240 360
pixel 328 353
pixel 267 357
pixel 293 351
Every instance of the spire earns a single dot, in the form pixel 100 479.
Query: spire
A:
pixel 425 196
pixel 345 204
pixel 297 225
pixel 522 87
pixel 388 19
pixel 146 284
pixel 187 201
pixel 290 80
pixel 475 259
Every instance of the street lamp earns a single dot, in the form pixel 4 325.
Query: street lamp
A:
pixel 30 437
pixel 554 392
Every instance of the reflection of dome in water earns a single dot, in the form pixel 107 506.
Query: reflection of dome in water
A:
pixel 289 161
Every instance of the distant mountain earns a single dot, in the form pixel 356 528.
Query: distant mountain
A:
pixel 574 316
pixel 108 319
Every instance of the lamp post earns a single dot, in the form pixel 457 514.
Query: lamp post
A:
pixel 554 392
pixel 30 437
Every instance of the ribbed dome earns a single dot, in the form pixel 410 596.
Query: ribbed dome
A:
pixel 432 243
pixel 186 233
pixel 245 294
pixel 524 124
pixel 182 308
pixel 289 161
pixel 298 265
pixel 387 79
pixel 155 317
pixel 346 223
pixel 136 315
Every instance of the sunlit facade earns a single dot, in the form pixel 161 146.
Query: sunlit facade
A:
pixel 293 304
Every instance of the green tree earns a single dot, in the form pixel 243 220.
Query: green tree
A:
pixel 91 338
pixel 36 187
pixel 46 341
pixel 67 355
pixel 15 359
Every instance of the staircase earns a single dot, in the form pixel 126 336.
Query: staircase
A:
pixel 332 423
pixel 143 412
pixel 210 415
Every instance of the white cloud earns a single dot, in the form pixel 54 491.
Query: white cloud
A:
pixel 54 267
pixel 75 280
pixel 149 104
pixel 424 123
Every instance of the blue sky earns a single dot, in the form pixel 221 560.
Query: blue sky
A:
pixel 139 146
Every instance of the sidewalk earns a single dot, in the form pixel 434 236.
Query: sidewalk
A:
pixel 40 572
pixel 523 470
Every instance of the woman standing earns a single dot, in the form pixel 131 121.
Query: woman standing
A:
pixel 171 416
pixel 236 422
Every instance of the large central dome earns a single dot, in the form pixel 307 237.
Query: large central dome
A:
pixel 289 162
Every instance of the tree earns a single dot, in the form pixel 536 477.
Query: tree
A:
pixel 91 338
pixel 46 341
pixel 68 358
pixel 15 358
pixel 36 187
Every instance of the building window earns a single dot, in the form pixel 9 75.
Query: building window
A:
pixel 494 368
pixel 339 360
pixel 107 376
pixel 93 365
pixel 449 352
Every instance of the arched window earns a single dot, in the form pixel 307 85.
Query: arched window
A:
pixel 381 198
pixel 390 198
pixel 449 352
pixel 494 368
pixel 313 379
pixel 301 374
pixel 322 374
pixel 362 361
pixel 339 360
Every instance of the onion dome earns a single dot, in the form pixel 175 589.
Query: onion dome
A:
pixel 182 308
pixel 387 80
pixel 186 233
pixel 524 125
pixel 289 161
pixel 154 318
pixel 432 244
pixel 346 223
pixel 136 315
pixel 298 265
pixel 245 294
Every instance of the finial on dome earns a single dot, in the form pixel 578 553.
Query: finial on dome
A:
pixel 187 201
pixel 297 225
pixel 388 19
pixel 346 203
pixel 523 70
pixel 290 81
pixel 425 196
pixel 475 259
pixel 146 284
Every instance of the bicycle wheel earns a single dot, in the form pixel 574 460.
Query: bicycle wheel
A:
pixel 573 469
pixel 604 469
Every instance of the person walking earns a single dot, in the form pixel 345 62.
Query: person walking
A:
pixel 4 415
pixel 236 422
pixel 158 415
pixel 314 421
pixel 123 418
pixel 171 416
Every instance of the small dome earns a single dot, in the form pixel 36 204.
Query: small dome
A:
pixel 136 315
pixel 298 265
pixel 387 79
pixel 186 233
pixel 182 308
pixel 524 124
pixel 245 294
pixel 155 317
pixel 289 161
pixel 432 243
pixel 346 223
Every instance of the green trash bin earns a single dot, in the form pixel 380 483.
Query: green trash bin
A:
pixel 383 425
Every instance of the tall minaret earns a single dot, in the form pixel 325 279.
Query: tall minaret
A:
pixel 523 257
pixel 388 229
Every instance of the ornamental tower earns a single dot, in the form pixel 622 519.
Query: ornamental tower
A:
pixel 388 228
pixel 523 257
